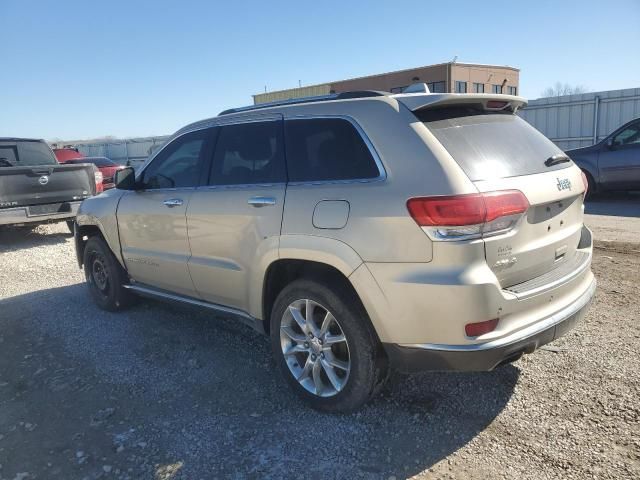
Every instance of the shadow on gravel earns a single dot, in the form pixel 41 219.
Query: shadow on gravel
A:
pixel 19 238
pixel 162 389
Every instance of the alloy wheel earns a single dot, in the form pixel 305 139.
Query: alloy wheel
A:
pixel 315 348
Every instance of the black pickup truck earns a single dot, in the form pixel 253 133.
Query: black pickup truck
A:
pixel 35 188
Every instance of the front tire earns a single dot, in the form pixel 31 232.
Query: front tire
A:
pixel 105 276
pixel 591 186
pixel 325 347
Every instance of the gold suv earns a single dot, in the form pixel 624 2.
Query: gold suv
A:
pixel 361 231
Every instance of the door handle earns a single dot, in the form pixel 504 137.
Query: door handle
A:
pixel 172 202
pixel 261 201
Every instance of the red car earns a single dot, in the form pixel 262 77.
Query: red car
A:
pixel 106 167
pixel 63 155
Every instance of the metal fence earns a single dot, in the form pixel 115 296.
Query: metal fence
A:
pixel 132 151
pixel 574 121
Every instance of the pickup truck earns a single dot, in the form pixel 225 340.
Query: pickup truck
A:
pixel 36 189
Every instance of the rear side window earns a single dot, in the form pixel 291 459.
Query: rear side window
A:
pixel 321 149
pixel 249 153
pixel 495 145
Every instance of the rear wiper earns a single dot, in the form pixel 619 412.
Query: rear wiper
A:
pixel 556 159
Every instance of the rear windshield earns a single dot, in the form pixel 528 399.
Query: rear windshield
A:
pixel 491 145
pixel 26 154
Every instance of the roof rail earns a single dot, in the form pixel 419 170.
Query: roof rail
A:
pixel 318 98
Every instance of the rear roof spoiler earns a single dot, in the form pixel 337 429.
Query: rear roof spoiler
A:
pixel 418 101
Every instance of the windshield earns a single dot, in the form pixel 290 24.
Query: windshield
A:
pixel 492 145
pixel 18 154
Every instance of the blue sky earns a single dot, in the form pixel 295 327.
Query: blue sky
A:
pixel 82 69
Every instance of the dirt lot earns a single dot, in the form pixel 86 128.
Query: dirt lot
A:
pixel 162 392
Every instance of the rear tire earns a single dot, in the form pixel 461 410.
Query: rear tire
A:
pixel 338 369
pixel 70 224
pixel 105 276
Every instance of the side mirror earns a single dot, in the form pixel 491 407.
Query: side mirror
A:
pixel 125 179
pixel 610 144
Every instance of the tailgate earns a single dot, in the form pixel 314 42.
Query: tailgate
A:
pixel 37 185
pixel 547 236
pixel 499 151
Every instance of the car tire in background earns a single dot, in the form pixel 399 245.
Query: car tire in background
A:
pixel 70 224
pixel 326 347
pixel 105 276
pixel 592 187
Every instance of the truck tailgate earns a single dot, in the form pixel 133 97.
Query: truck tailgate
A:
pixel 43 184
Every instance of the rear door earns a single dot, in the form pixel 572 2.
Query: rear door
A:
pixel 234 221
pixel 152 220
pixel 500 151
pixel 619 163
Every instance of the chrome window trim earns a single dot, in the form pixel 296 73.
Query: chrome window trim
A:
pixel 240 186
pixel 382 173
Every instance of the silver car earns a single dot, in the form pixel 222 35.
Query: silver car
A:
pixel 362 232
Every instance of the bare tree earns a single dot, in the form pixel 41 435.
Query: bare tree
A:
pixel 560 89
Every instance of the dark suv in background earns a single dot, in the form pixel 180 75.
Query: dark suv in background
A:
pixel 613 163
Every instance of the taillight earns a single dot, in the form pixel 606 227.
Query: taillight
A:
pixel 585 182
pixel 98 177
pixel 468 216
pixel 480 328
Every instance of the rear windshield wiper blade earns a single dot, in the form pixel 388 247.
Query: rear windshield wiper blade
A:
pixel 556 159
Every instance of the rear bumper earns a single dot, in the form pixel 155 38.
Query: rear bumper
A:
pixel 22 216
pixel 488 355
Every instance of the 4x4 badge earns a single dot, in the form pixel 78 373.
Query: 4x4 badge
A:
pixel 563 184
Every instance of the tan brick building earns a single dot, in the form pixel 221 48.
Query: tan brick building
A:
pixel 444 77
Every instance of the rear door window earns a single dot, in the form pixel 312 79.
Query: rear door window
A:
pixel 491 145
pixel 249 153
pixel 325 149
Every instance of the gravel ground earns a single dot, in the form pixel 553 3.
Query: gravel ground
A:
pixel 162 392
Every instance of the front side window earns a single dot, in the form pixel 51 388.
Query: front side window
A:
pixel 496 88
pixel 325 149
pixel 178 164
pixel 461 87
pixel 249 153
pixel 629 136
pixel 478 88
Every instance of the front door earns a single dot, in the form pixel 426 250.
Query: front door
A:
pixel 152 219
pixel 619 161
pixel 234 221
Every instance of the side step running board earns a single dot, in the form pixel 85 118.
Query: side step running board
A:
pixel 152 292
